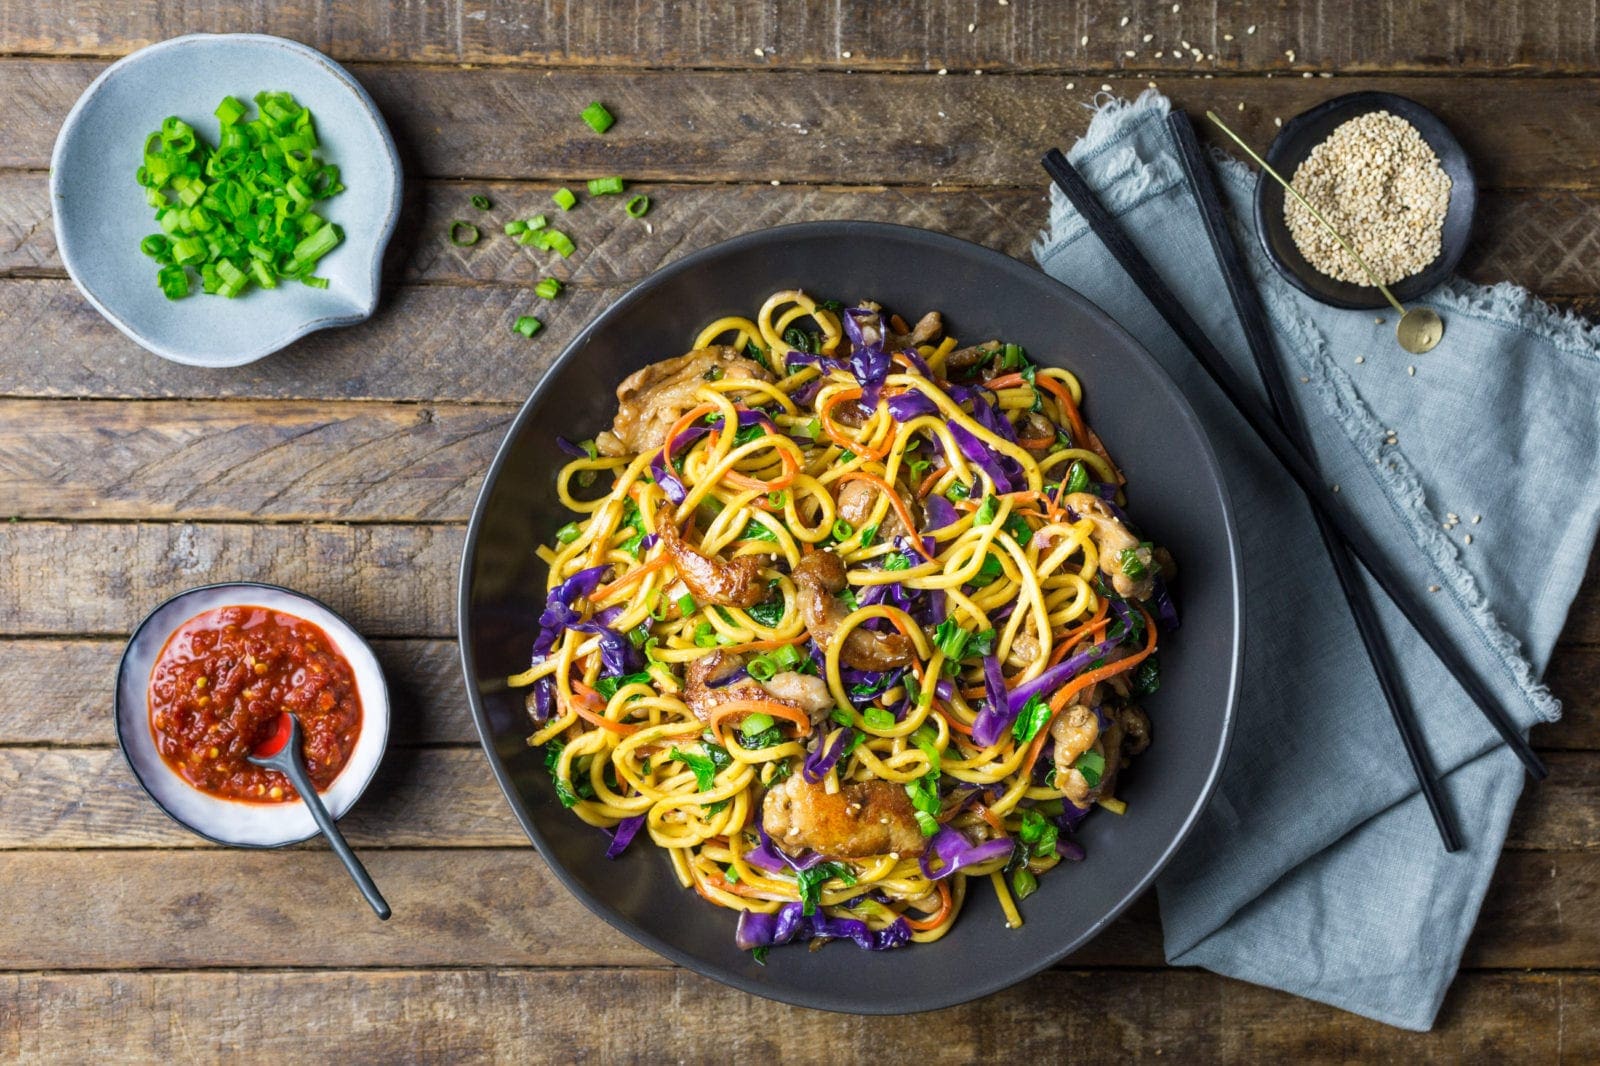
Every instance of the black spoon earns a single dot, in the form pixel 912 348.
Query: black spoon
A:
pixel 282 753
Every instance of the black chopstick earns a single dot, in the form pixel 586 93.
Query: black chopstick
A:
pixel 1305 475
pixel 1253 320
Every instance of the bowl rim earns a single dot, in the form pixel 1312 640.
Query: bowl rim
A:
pixel 807 997
pixel 1358 103
pixel 359 312
pixel 360 640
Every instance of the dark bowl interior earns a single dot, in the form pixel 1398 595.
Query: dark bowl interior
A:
pixel 1174 492
pixel 1295 142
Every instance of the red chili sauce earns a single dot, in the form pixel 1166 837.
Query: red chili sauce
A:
pixel 220 685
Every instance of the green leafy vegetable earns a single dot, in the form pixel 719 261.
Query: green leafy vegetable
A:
pixel 810 882
pixel 1092 765
pixel 1147 677
pixel 705 770
pixel 986 511
pixel 1078 478
pixel 1034 714
pixel 877 718
pixel 951 639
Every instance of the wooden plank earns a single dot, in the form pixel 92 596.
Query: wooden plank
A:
pixel 278 461
pixel 1543 240
pixel 504 1015
pixel 69 579
pixel 701 126
pixel 86 798
pixel 1478 36
pixel 58 692
pixel 502 907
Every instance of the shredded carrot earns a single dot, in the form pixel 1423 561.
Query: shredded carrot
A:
pixel 630 577
pixel 791 470
pixel 992 818
pixel 898 504
pixel 737 888
pixel 584 706
pixel 927 482
pixel 939 915
pixel 1005 381
pixel 722 711
pixel 1083 681
pixel 1080 432
pixel 842 439
pixel 952 721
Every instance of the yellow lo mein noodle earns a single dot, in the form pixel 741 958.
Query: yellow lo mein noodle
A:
pixel 988 642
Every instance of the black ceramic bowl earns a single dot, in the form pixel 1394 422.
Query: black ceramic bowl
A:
pixel 1174 491
pixel 1295 142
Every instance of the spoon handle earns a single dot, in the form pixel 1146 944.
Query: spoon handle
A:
pixel 296 772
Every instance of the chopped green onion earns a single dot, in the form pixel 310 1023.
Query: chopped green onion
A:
pixel 637 206
pixel 598 118
pixel 1024 883
pixel 229 111
pixel 556 241
pixel 761 668
pixel 568 533
pixel 841 716
pixel 686 605
pixel 957 491
pixel 868 534
pixel 515 226
pixel 564 199
pixel 951 639
pixel 778 498
pixel 787 656
pixel 547 289
pixel 481 202
pixel 877 718
pixel 842 530
pixel 705 635
pixel 605 186
pixel 537 222
pixel 896 562
pixel 463 234
pixel 174 282
pixel 527 325
pixel 986 511
pixel 756 723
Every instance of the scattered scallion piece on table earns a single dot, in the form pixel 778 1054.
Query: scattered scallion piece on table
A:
pixel 553 240
pixel 463 234
pixel 481 202
pixel 564 199
pixel 537 222
pixel 547 289
pixel 242 212
pixel 637 206
pixel 527 325
pixel 598 118
pixel 605 186
pixel 515 226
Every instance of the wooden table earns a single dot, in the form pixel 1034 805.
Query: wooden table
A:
pixel 346 467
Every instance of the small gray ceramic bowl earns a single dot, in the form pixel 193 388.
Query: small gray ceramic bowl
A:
pixel 249 825
pixel 101 214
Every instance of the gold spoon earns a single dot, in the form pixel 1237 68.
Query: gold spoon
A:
pixel 1420 329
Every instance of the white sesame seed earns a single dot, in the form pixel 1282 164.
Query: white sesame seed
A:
pixel 1477 518
pixel 775 181
pixel 1452 516
pixel 1325 74
pixel 1305 381
pixel 1209 55
pixel 971 26
pixel 944 70
pixel 648 228
pixel 1359 358
pixel 1160 54
pixel 977 72
pixel 1252 29
pixel 1433 588
pixel 1130 53
pixel 1335 487
pixel 1186 45
pixel 1227 36
pixel 1467 539
pixel 1290 53
pixel 1175 8
pixel 759 53
pixel 1378 321
pixel 1277 121
pixel 1147 38
pixel 1072 85
pixel 845 54
pixel 1411 371
pixel 1151 84
pixel 1105 88
pixel 1124 21
pixel 1085 39
pixel 1241 105
pixel 1307 74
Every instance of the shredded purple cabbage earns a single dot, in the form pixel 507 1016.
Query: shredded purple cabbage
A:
pixel 982 457
pixel 1166 610
pixel 769 857
pixel 955 852
pixel 940 512
pixel 909 405
pixel 618 656
pixel 544 698
pixel 558 613
pixel 669 482
pixel 997 714
pixel 1070 850
pixel 1058 675
pixel 1071 817
pixel 571 449
pixel 824 757
pixel 757 930
pixel 723 682
pixel 623 835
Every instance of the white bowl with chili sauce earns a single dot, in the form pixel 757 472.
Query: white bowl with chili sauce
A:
pixel 203 786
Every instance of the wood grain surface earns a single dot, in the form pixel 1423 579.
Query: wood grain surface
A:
pixel 346 466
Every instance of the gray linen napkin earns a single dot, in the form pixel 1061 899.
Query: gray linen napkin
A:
pixel 1316 868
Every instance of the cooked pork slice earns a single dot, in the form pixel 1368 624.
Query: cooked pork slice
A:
pixel 1111 540
pixel 649 401
pixel 731 582
pixel 819 577
pixel 703 695
pixel 861 819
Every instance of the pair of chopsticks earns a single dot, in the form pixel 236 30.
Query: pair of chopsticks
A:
pixel 1333 518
